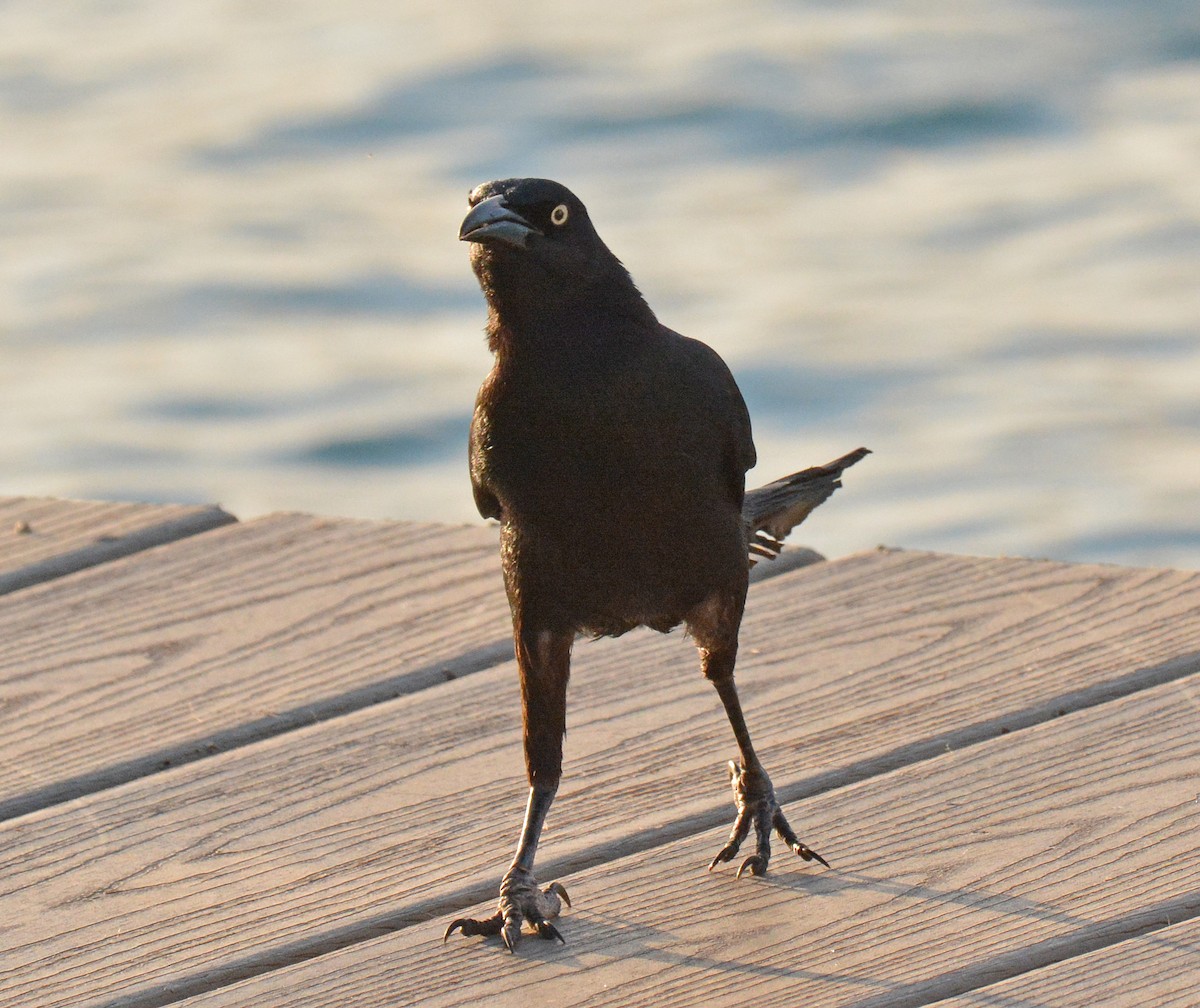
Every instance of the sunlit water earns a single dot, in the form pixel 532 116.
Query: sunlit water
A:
pixel 966 235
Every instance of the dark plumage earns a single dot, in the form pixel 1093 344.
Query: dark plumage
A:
pixel 613 452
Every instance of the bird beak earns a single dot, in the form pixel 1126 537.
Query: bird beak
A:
pixel 490 220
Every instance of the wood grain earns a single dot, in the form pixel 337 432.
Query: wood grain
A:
pixel 294 845
pixel 950 873
pixel 42 538
pixel 1161 968
pixel 247 630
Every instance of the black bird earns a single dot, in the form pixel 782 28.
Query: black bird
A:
pixel 613 452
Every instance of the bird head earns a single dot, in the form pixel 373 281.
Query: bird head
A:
pixel 539 259
pixel 520 213
pixel 538 231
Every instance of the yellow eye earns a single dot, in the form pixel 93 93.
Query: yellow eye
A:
pixel 558 216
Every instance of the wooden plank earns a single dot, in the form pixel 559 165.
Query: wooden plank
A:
pixel 1161 968
pixel 950 873
pixel 252 631
pixel 325 836
pixel 245 631
pixel 42 538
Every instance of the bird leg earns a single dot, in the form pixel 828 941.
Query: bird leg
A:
pixel 544 661
pixel 753 794
pixel 520 898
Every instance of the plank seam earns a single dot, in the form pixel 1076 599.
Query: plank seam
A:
pixel 717 816
pixel 1040 955
pixel 260 730
pixel 105 549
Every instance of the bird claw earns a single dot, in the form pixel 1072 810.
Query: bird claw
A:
pixel 756 864
pixel 807 853
pixel 789 837
pixel 758 809
pixel 468 926
pixel 520 901
pixel 559 890
pixel 548 931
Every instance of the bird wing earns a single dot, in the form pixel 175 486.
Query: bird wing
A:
pixel 714 381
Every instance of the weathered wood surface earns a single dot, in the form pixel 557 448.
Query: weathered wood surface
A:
pixel 263 626
pixel 42 538
pixel 1159 969
pixel 244 631
pixel 295 845
pixel 949 873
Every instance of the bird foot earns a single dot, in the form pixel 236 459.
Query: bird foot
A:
pixel 757 808
pixel 520 900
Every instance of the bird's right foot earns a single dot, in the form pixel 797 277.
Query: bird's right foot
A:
pixel 521 901
pixel 758 810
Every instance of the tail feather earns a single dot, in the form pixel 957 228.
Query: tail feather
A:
pixel 772 511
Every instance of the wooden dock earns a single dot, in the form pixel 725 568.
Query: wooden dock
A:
pixel 261 764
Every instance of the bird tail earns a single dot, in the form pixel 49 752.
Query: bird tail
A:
pixel 772 511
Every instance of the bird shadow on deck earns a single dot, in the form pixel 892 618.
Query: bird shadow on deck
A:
pixel 613 937
pixel 607 936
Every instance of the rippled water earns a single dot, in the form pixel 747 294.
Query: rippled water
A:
pixel 964 234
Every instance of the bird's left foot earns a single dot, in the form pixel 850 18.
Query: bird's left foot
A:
pixel 757 808
pixel 520 900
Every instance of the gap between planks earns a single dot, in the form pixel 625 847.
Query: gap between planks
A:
pixel 47 538
pixel 1159 966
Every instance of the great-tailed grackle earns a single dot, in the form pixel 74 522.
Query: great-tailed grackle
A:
pixel 613 452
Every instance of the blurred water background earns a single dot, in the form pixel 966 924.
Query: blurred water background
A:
pixel 965 234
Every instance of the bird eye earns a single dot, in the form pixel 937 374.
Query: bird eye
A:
pixel 558 216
